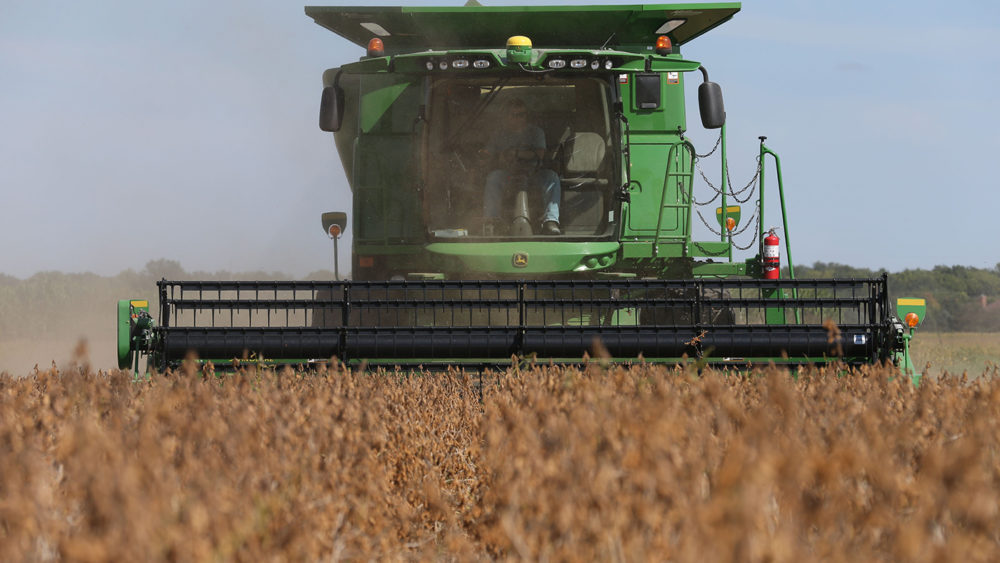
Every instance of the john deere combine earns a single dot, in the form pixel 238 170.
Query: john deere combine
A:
pixel 523 187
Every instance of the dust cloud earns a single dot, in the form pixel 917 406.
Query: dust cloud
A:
pixel 94 345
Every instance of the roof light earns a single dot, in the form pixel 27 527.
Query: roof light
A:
pixel 578 63
pixel 609 64
pixel 670 25
pixel 663 45
pixel 375 47
pixel 443 65
pixel 375 28
pixel 557 63
pixel 460 63
pixel 595 64
pixel 481 63
pixel 430 65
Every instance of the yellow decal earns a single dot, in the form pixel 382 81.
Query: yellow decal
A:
pixel 137 303
pixel 912 302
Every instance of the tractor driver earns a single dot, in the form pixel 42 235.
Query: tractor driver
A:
pixel 519 148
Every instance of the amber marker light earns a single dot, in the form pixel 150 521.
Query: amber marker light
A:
pixel 912 320
pixel 375 47
pixel 334 231
pixel 663 45
pixel 730 223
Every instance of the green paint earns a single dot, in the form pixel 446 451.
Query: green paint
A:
pixel 124 334
pixel 619 27
pixel 419 144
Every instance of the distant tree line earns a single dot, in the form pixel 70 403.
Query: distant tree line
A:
pixel 959 298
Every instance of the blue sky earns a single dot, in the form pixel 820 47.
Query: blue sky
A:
pixel 188 131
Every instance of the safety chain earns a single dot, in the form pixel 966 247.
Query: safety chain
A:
pixel 704 203
pixel 709 253
pixel 752 182
pixel 734 193
pixel 709 153
pixel 756 223
pixel 756 230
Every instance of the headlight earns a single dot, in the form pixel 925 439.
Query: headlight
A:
pixel 481 63
pixel 460 63
pixel 578 63
pixel 557 63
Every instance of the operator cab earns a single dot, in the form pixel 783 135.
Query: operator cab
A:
pixel 506 154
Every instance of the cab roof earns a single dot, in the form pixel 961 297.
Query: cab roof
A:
pixel 625 27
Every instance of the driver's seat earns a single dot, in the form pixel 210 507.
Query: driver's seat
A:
pixel 583 157
pixel 584 181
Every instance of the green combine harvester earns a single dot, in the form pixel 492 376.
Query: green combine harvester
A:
pixel 524 189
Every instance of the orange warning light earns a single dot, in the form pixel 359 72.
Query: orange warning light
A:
pixel 912 320
pixel 375 47
pixel 663 45
pixel 730 223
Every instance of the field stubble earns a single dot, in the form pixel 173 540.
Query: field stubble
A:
pixel 974 353
pixel 553 463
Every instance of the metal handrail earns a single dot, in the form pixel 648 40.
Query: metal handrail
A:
pixel 764 151
pixel 663 194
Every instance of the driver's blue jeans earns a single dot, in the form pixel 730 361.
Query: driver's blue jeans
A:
pixel 542 181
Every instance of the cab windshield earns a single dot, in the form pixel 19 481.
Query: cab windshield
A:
pixel 519 157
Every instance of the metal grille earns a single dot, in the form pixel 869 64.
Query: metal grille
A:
pixel 464 320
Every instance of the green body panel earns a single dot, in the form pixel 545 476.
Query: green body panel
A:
pixel 386 171
pixel 655 189
pixel 390 111
pixel 538 257
pixel 775 315
pixel 905 306
pixel 132 330
pixel 475 260
pixel 124 334
pixel 719 269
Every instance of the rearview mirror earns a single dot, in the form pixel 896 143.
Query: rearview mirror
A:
pixel 713 112
pixel 331 109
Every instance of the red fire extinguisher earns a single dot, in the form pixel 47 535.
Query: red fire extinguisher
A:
pixel 772 256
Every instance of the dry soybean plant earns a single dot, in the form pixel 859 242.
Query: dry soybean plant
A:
pixel 609 463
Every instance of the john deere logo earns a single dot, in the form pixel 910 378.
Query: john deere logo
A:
pixel 520 260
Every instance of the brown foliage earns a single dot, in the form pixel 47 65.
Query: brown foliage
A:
pixel 553 463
